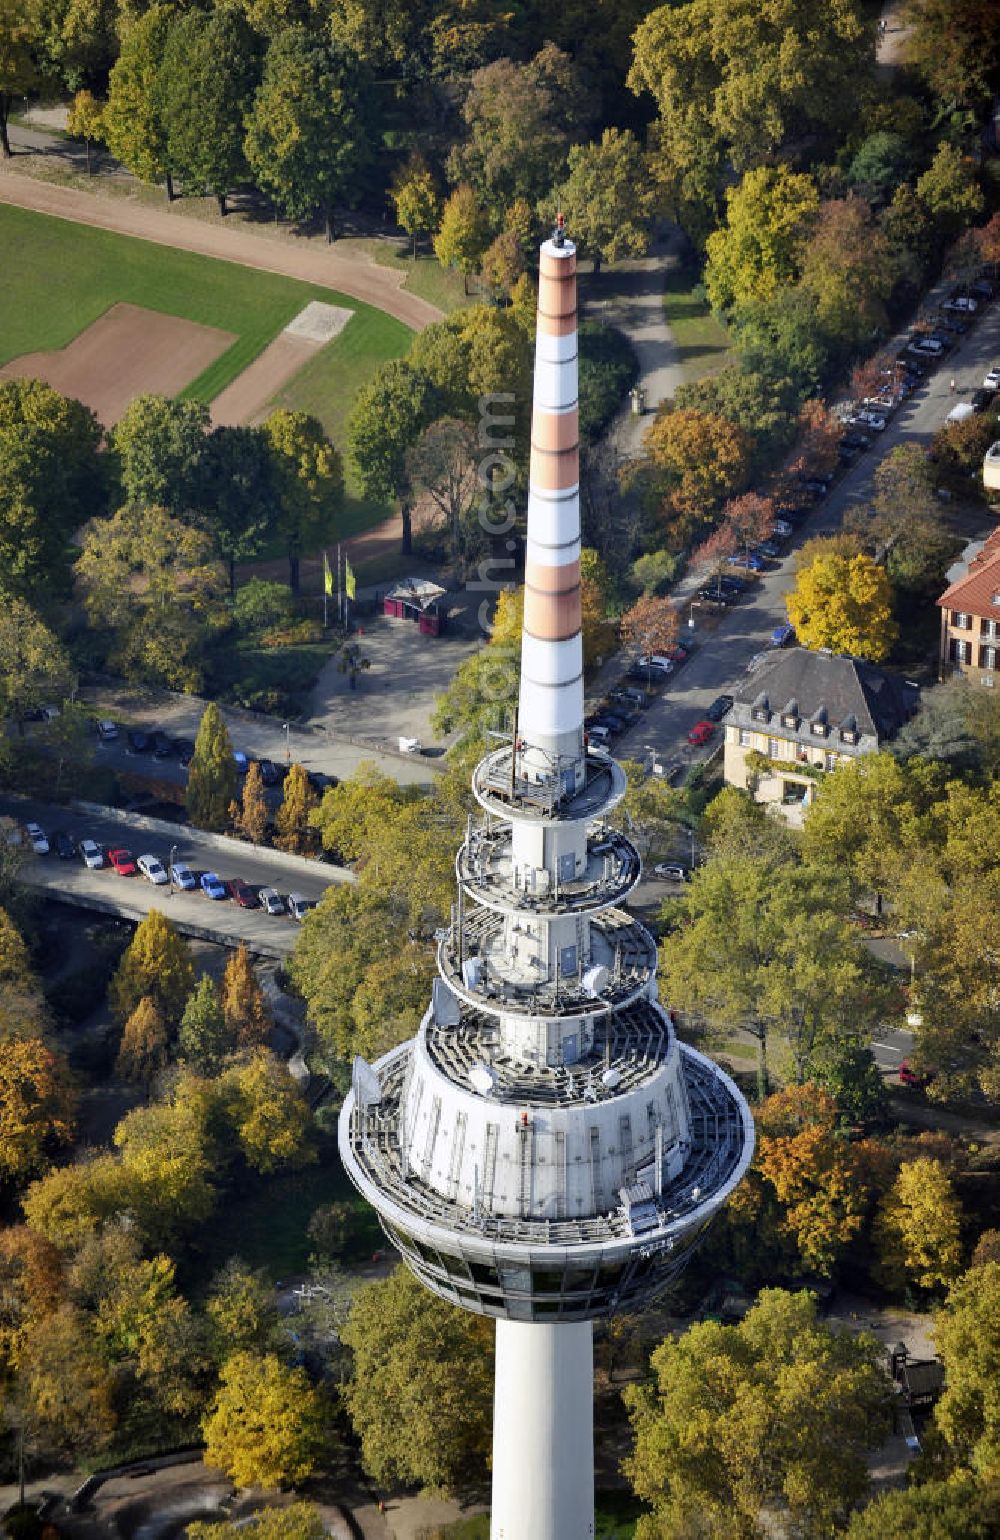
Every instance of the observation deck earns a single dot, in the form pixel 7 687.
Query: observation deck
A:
pixel 508 984
pixel 485 868
pixel 500 786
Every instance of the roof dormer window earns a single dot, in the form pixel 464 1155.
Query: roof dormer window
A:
pixel 849 730
pixel 818 724
pixel 790 717
pixel 760 711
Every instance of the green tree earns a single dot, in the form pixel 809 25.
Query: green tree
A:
pixel 387 418
pixel 241 1310
pixel 481 696
pixel 204 1038
pixel 37 1104
pixel 308 481
pixel 917 1230
pixel 869 821
pixel 768 219
pixel 607 197
pixel 251 815
pixel 133 119
pixel 881 163
pixel 958 962
pixel 246 1012
pixel 19 61
pixel 143 1051
pixel 967 1336
pixel 463 233
pixel 212 777
pixel 208 77
pixel 292 819
pixel 956 1509
pixel 815 1399
pixel 160 446
pixel 266 1425
pixel 415 195
pixel 156 964
pixel 86 120
pixel 844 603
pixel 304 138
pixel 949 191
pixel 238 500
pixel 34 665
pixel 904 519
pixel 52 478
pixel 420 1398
pixel 270 1117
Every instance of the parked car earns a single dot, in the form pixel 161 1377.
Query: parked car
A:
pixel 242 893
pixel 637 699
pixel 912 1077
pixel 700 733
pixel 37 838
pixel 981 399
pixel 782 635
pixel 91 855
pixel 721 705
pixel 242 761
pixel 991 380
pixel 271 901
pixel 782 528
pixel 926 347
pixel 958 325
pixel 269 773
pixel 184 749
pixel 723 597
pixel 163 746
pixel 153 870
pixel 298 906
pixel 598 737
pixel 182 876
pixel 866 419
pixel 768 549
pixel 320 781
pixel 138 741
pixel 657 660
pixel 671 871
pixel 983 290
pixel 855 441
pixel 123 861
pixel 63 845
pixel 107 730
pixel 747 561
pixel 212 885
pixel 964 304
pixel 678 653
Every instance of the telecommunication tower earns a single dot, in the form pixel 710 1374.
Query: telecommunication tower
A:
pixel 546 1151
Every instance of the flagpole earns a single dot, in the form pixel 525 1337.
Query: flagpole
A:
pixel 340 590
pixel 326 587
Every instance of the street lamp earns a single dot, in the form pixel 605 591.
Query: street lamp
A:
pixel 694 605
pixel 173 853
pixel 288 748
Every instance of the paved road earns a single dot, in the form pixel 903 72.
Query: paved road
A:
pixel 133 897
pixel 720 663
pixel 185 226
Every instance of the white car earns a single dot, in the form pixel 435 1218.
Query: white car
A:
pixel 930 347
pixel 153 870
pixel 37 838
pixel 782 528
pixel 873 420
pixel 182 876
pixel 271 901
pixel 992 380
pixel 665 665
pixel 671 871
pixel 107 730
pixel 298 906
pixel 91 855
pixel 962 303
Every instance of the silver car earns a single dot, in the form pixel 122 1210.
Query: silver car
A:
pixel 271 901
pixel 91 855
pixel 153 870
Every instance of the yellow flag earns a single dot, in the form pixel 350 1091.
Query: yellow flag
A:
pixel 327 576
pixel 350 581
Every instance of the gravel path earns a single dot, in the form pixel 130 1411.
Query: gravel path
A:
pixel 307 258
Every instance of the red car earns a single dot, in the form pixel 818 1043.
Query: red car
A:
pixel 912 1077
pixel 678 653
pixel 242 893
pixel 123 862
pixel 701 732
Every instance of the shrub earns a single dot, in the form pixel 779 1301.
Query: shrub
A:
pixel 259 605
pixel 608 368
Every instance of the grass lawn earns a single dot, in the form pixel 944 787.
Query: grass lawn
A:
pixel 59 277
pixel 426 278
pixel 702 341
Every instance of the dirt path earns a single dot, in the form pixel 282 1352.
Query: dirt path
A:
pixel 312 261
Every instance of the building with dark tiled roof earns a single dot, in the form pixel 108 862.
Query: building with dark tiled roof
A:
pixel 970 614
pixel 806 713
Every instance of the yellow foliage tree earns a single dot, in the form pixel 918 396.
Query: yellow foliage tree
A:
pixel 156 964
pixel 844 603
pixel 36 1106
pixel 243 1005
pixel 292 819
pixel 917 1230
pixel 272 1120
pixel 266 1425
pixel 142 1053
pixel 251 814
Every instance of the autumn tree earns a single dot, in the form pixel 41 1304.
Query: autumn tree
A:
pixel 917 1230
pixel 241 1310
pixel 34 666
pixel 157 966
pixel 420 1397
pixel 904 520
pixel 267 1425
pixel 870 820
pixel 68 1386
pixel 699 460
pixel 844 603
pixel 251 815
pixel 415 196
pixel 607 197
pixel 244 1007
pixel 959 1508
pixel 304 133
pixel 650 626
pixel 85 120
pixel 846 264
pixel 270 1116
pixel 308 480
pixel 816 1399
pixel 444 464
pixel 463 233
pixel 143 1051
pixel 292 820
pixel 502 264
pixel 37 1105
pixel 483 691
pixel 598 630
pixel 212 776
pixel 768 217
pixel 966 1335
pixel 751 517
pixel 203 1037
pixel 949 191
